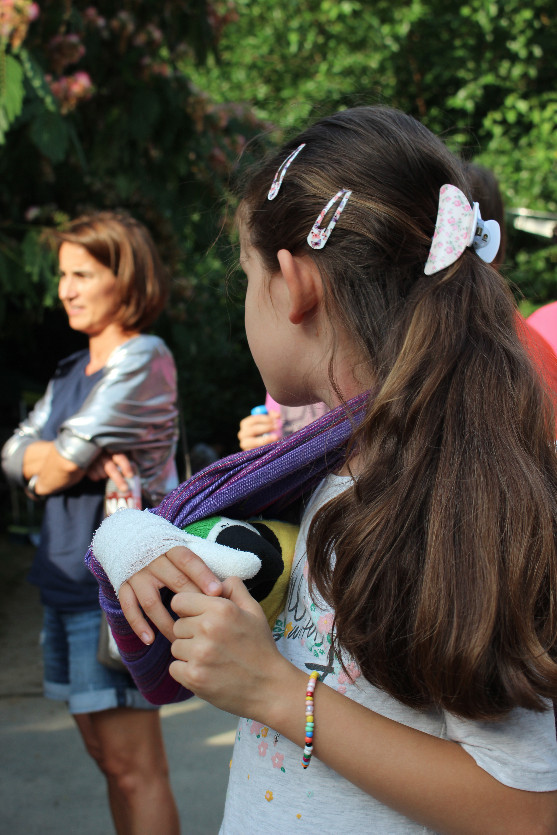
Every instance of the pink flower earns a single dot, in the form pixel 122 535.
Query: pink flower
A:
pixel 65 50
pixel 91 15
pixel 71 89
pixel 277 760
pixel 350 676
pixel 325 623
pixel 256 728
pixel 81 82
pixel 353 671
pixel 15 17
pixel 262 748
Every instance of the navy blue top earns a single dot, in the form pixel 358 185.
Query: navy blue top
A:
pixel 71 517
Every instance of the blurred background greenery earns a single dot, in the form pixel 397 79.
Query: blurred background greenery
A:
pixel 148 107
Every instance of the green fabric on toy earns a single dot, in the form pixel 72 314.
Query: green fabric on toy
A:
pixel 273 542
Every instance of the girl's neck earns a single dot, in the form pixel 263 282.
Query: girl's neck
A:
pixel 103 344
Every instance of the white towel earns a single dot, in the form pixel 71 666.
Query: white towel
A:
pixel 130 539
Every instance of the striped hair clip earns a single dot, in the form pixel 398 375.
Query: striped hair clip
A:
pixel 318 236
pixel 282 169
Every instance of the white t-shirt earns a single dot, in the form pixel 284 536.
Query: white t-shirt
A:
pixel 269 791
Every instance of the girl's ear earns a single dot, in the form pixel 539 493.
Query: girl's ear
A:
pixel 303 282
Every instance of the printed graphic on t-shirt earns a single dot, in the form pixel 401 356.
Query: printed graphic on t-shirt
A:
pixel 305 621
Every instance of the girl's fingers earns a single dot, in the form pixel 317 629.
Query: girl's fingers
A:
pixel 259 441
pixel 258 430
pixel 180 571
pixel 180 648
pixel 187 605
pixel 134 615
pixel 235 590
pixel 223 647
pixel 193 568
pixel 164 573
pixel 147 595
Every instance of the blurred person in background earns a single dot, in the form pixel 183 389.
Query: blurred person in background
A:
pixel 110 410
pixel 277 422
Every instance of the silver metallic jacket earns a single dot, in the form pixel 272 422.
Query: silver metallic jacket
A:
pixel 132 409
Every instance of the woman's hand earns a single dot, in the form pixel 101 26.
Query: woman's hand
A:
pixel 179 569
pixel 259 430
pixel 116 466
pixel 224 650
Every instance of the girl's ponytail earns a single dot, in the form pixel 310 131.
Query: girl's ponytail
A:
pixel 445 549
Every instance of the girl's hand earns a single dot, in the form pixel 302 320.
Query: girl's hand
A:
pixel 259 430
pixel 179 569
pixel 224 650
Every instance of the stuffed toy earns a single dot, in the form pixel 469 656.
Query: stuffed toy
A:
pixel 272 541
pixel 268 481
pixel 259 552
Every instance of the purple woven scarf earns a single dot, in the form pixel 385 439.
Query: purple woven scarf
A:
pixel 262 481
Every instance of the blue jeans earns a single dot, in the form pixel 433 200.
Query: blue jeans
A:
pixel 72 672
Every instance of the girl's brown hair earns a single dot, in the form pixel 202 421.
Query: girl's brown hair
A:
pixel 444 574
pixel 125 246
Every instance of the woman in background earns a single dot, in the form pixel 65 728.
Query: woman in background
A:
pixel 107 407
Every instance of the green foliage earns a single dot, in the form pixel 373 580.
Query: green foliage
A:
pixel 96 113
pixel 482 74
pixel 129 104
pixel 12 92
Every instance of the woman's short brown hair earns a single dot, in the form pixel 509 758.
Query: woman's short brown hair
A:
pixel 125 246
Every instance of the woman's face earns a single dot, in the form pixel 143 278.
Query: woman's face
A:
pixel 88 290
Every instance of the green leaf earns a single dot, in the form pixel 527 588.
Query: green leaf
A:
pixel 50 135
pixel 32 255
pixel 35 77
pixel 13 92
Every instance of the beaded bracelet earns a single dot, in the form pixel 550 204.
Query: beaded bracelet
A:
pixel 310 723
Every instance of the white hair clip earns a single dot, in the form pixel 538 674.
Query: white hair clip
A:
pixel 458 226
pixel 282 169
pixel 318 236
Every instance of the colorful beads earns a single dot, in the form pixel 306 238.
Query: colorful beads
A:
pixel 310 723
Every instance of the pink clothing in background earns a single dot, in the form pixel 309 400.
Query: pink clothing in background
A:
pixel 544 321
pixel 293 418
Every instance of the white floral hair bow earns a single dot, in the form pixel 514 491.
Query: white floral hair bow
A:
pixel 458 226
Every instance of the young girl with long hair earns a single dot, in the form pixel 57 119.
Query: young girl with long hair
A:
pixel 420 629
